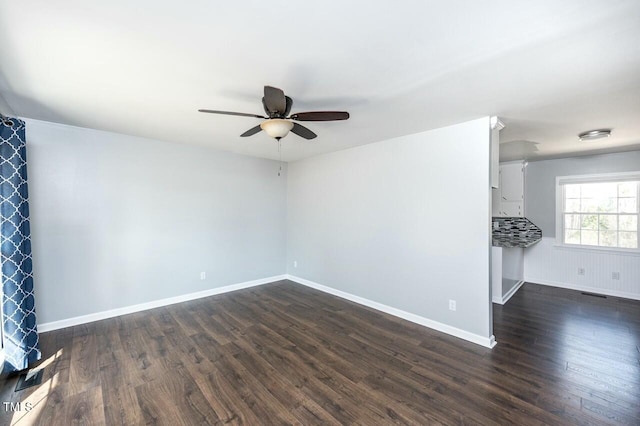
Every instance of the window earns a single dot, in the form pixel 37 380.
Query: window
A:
pixel 601 210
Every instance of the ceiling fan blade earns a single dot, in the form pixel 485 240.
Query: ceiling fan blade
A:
pixel 241 114
pixel 302 131
pixel 252 131
pixel 274 100
pixel 320 116
pixel 287 110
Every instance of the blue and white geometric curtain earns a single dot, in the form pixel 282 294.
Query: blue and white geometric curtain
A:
pixel 19 333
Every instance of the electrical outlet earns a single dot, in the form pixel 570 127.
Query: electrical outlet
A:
pixel 295 263
pixel 452 305
pixel 203 275
pixel 580 271
pixel 615 275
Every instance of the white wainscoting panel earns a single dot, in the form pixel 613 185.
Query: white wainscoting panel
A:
pixel 549 264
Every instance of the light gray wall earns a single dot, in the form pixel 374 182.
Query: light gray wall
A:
pixel 540 182
pixel 4 107
pixel 404 222
pixel 118 220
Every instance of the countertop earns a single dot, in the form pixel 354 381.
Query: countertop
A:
pixel 514 232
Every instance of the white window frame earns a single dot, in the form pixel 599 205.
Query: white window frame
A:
pixel 590 178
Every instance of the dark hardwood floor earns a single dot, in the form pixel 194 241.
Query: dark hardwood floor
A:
pixel 286 354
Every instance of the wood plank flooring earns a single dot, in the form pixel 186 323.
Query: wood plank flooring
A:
pixel 286 354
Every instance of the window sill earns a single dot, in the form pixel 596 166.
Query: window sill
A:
pixel 596 249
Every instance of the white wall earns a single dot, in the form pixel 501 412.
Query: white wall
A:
pixel 496 274
pixel 118 220
pixel 403 222
pixel 512 268
pixel 507 272
pixel 546 263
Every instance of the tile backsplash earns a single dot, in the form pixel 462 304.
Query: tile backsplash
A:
pixel 515 232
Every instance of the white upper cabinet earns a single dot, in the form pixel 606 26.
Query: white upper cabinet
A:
pixel 512 182
pixel 508 200
pixel 512 209
pixel 507 180
pixel 496 205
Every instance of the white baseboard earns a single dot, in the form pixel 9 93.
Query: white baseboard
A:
pixel 587 289
pixel 511 292
pixel 488 342
pixel 83 319
pixel 504 299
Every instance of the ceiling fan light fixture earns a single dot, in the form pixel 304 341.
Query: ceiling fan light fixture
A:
pixel 277 127
pixel 594 134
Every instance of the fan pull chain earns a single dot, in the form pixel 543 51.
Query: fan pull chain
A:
pixel 280 154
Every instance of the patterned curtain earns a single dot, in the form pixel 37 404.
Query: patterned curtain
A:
pixel 19 333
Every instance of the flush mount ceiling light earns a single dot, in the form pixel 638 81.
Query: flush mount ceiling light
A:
pixel 276 127
pixel 594 134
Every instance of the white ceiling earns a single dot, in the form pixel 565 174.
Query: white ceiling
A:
pixel 549 69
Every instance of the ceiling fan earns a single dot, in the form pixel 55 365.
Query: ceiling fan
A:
pixel 278 123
